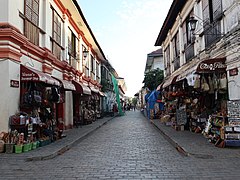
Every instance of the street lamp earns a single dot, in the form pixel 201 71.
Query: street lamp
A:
pixel 192 23
pixel 85 54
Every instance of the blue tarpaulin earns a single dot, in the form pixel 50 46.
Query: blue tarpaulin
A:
pixel 153 98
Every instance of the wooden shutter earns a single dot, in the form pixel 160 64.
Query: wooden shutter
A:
pixel 184 31
pixel 217 9
pixel 32 11
pixel 177 44
pixel 56 28
pixel 206 12
pixel 31 32
pixel 28 9
pixel 174 46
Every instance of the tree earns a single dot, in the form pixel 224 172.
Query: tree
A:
pixel 153 78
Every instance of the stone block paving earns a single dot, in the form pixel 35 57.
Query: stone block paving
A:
pixel 73 136
pixel 127 147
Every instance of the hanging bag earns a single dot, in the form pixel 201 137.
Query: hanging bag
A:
pixel 211 86
pixel 205 86
pixel 197 83
pixel 223 82
pixel 215 82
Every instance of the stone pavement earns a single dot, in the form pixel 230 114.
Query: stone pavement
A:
pixel 194 144
pixel 73 136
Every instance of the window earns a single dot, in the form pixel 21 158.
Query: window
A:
pixel 92 67
pixel 31 21
pixel 176 51
pixel 71 47
pixel 83 59
pixel 212 14
pixel 32 11
pixel 97 72
pixel 188 40
pixel 56 35
pixel 167 61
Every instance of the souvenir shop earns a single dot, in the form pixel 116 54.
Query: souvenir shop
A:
pixel 81 99
pixel 39 121
pixel 196 100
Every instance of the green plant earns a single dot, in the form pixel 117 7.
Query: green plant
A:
pixel 153 78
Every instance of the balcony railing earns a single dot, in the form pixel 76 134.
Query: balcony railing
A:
pixel 212 33
pixel 189 52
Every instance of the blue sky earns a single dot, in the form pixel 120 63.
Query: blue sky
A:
pixel 126 30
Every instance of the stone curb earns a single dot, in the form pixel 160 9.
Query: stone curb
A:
pixel 68 146
pixel 178 147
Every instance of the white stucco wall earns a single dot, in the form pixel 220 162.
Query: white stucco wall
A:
pixel 8 71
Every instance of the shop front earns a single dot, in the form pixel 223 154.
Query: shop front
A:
pixel 64 107
pixel 95 102
pixel 81 99
pixel 36 122
pixel 198 98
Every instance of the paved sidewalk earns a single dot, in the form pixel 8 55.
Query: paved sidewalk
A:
pixel 73 136
pixel 194 144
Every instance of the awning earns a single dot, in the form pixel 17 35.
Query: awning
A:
pixel 169 81
pixel 187 70
pixel 102 94
pixel 81 88
pixel 204 66
pixel 29 74
pixel 160 86
pixel 67 85
pixel 93 89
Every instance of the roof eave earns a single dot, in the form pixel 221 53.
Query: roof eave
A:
pixel 174 10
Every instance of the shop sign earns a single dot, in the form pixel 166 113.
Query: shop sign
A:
pixel 14 83
pixel 211 65
pixel 181 115
pixel 233 72
pixel 29 76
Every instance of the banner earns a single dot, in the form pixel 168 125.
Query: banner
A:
pixel 115 85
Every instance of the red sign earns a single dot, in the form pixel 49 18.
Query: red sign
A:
pixel 14 83
pixel 212 65
pixel 233 72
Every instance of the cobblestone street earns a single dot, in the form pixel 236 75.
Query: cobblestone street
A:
pixel 127 147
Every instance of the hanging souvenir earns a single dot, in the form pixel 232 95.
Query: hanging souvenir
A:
pixel 210 83
pixel 215 81
pixel 197 83
pixel 204 84
pixel 223 82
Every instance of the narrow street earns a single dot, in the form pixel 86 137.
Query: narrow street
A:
pixel 127 147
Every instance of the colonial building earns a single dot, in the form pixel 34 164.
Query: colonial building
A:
pixel 49 60
pixel 201 36
pixel 154 61
pixel 200 43
pixel 110 100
